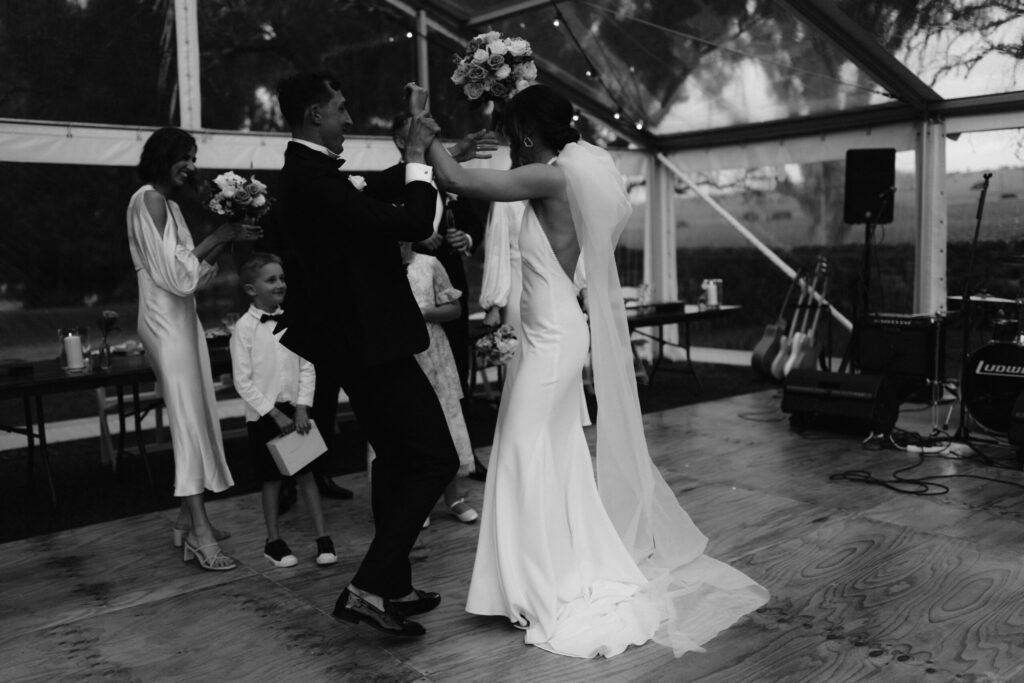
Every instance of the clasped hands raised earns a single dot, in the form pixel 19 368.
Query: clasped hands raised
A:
pixel 476 145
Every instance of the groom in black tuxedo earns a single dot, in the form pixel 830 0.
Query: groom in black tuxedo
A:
pixel 353 315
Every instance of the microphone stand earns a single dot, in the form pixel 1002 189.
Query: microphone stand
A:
pixel 962 431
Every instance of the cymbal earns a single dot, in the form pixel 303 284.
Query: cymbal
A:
pixel 984 299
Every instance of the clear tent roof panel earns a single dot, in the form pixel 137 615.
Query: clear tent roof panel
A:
pixel 961 48
pixel 674 67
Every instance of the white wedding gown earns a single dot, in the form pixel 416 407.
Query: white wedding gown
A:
pixel 550 557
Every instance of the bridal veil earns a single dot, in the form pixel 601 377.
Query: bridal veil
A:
pixel 699 596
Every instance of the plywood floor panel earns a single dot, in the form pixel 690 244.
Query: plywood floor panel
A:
pixel 866 584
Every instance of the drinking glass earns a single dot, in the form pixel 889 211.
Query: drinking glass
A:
pixel 229 320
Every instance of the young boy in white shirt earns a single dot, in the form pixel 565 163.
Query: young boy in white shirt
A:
pixel 277 387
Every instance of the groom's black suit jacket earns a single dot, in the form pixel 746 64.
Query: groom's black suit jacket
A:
pixel 349 303
pixel 351 312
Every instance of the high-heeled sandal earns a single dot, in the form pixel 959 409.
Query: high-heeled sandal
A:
pixel 179 534
pixel 217 562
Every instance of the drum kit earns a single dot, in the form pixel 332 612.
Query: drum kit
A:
pixel 993 374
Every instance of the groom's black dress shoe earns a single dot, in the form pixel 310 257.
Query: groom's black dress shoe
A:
pixel 424 602
pixel 328 488
pixel 352 608
pixel 479 471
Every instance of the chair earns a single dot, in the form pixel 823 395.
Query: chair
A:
pixel 150 400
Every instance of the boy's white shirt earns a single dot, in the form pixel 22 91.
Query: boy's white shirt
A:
pixel 265 371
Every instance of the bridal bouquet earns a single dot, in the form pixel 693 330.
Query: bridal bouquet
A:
pixel 497 347
pixel 494 67
pixel 239 199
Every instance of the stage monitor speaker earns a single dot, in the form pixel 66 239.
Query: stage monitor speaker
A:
pixel 840 401
pixel 870 186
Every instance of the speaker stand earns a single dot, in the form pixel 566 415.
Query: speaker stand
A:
pixel 865 293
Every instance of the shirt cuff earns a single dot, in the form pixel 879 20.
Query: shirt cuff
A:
pixel 418 172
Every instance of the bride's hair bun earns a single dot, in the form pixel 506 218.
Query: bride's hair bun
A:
pixel 541 112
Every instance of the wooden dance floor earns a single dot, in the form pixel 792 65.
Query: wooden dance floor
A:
pixel 866 583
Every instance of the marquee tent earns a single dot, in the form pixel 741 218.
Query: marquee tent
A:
pixel 674 88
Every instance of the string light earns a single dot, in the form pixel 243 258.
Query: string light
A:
pixel 556 23
pixel 590 74
pixel 639 125
pixel 408 34
pixel 576 117
pixel 617 116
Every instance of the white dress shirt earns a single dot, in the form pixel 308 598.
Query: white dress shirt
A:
pixel 265 371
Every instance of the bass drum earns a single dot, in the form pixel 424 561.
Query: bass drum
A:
pixel 992 381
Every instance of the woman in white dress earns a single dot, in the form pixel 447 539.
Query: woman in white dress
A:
pixel 502 281
pixel 170 268
pixel 585 568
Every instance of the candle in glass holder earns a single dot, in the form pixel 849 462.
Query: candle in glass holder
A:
pixel 73 352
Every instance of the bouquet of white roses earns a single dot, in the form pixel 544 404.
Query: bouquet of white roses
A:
pixel 239 199
pixel 494 67
pixel 497 347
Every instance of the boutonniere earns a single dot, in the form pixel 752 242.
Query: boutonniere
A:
pixel 358 182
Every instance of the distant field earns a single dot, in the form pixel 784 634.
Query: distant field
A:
pixel 786 226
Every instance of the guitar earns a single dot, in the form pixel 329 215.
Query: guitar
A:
pixel 778 365
pixel 765 350
pixel 805 350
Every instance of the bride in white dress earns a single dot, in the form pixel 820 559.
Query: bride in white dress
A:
pixel 585 568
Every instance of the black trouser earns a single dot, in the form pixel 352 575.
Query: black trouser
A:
pixel 457 332
pixel 402 419
pixel 324 413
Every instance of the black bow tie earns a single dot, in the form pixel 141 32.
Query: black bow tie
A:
pixel 266 317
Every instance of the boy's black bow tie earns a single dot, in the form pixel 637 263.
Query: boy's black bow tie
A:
pixel 266 317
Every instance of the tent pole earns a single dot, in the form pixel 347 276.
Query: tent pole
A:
pixel 186 18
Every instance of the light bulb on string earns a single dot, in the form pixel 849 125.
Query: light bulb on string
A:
pixel 617 116
pixel 639 125
pixel 556 23
pixel 408 34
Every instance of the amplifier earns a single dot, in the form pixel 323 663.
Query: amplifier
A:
pixel 840 401
pixel 906 345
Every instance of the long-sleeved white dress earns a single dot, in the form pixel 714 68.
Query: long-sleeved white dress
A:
pixel 169 275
